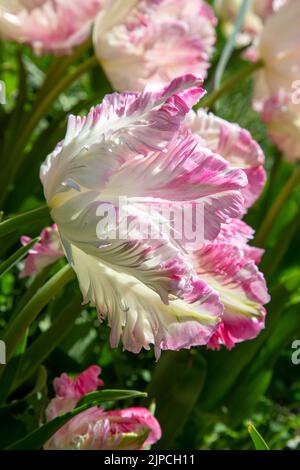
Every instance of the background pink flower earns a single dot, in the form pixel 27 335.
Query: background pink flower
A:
pixel 48 25
pixel 151 42
pixel 43 253
pixel 281 114
pixel 96 429
pixel 279 49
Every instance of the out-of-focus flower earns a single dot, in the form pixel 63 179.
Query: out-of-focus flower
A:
pixel 282 117
pixel 136 145
pixel 43 253
pixel 68 391
pixel 279 49
pixel 48 25
pixel 229 265
pixel 96 429
pixel 235 145
pixel 258 12
pixel 151 42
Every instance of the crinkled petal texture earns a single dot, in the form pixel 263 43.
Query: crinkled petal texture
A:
pixel 281 114
pixel 229 265
pixel 235 145
pixel 280 51
pixel 150 42
pixel 48 25
pixel 96 429
pixel 43 253
pixel 141 278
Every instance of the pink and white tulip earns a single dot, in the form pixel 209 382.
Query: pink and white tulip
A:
pixel 151 42
pixel 235 145
pixel 279 50
pixel 43 253
pixel 228 264
pixel 96 429
pixel 136 145
pixel 48 25
pixel 281 114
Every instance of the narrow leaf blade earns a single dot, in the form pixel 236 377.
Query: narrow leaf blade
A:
pixel 258 440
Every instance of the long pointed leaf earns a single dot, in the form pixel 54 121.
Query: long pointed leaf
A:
pixel 258 441
pixel 103 396
pixel 32 309
pixel 37 438
pixel 16 257
pixel 176 385
pixel 23 220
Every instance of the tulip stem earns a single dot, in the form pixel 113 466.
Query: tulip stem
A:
pixel 276 207
pixel 230 44
pixel 32 309
pixel 23 220
pixel 230 84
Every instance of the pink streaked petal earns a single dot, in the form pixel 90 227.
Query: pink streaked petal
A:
pixel 228 266
pixel 137 315
pixel 235 329
pixel 122 126
pixel 186 173
pixel 133 242
pixel 235 145
pixel 236 232
pixel 132 418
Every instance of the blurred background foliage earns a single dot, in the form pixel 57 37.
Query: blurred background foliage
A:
pixel 204 399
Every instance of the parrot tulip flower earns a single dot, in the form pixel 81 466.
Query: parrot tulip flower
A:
pixel 151 42
pixel 136 145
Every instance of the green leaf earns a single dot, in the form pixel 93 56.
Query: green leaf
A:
pixel 224 367
pixel 37 438
pixel 110 395
pixel 176 385
pixel 32 309
pixel 46 342
pixel 258 441
pixel 23 220
pixel 7 377
pixel 16 257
